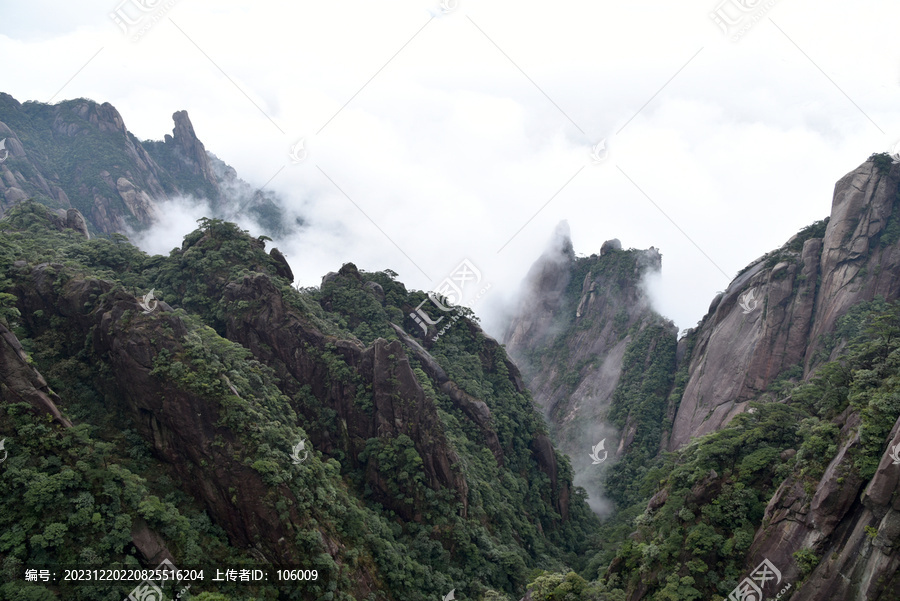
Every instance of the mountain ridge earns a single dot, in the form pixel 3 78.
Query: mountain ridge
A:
pixel 122 183
pixel 138 432
pixel 186 411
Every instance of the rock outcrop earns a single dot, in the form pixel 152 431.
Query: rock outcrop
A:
pixel 279 335
pixel 830 524
pixel 775 315
pixel 544 286
pixel 78 154
pixel 75 221
pixel 20 382
pixel 587 311
pixel 836 524
pixel 476 409
pixel 180 425
pixel 187 147
pixel 281 265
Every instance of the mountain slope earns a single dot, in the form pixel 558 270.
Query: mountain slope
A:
pixel 587 339
pixel 174 428
pixel 807 483
pixel 779 407
pixel 78 154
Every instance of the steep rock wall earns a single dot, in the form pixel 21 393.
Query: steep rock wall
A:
pixel 799 291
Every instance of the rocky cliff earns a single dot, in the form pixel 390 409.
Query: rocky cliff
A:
pixel 798 293
pixel 772 321
pixel 231 419
pixel 578 320
pixel 780 408
pixel 850 526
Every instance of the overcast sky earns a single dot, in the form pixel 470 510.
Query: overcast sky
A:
pixel 434 136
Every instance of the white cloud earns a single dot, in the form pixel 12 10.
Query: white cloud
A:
pixel 179 217
pixel 450 149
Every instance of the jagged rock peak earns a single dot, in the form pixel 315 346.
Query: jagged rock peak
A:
pixel 282 267
pixel 561 241
pixel 184 129
pixel 194 152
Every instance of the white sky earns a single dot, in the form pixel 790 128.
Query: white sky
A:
pixel 486 113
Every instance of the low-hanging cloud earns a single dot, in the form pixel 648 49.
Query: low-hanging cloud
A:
pixel 449 152
pixel 177 217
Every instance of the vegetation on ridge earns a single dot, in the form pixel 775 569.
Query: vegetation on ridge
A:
pixel 74 496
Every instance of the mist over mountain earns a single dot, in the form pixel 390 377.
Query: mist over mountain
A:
pixel 78 154
pixel 768 433
pixel 195 407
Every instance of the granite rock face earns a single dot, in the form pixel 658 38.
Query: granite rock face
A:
pixel 773 316
pixel 775 320
pixel 190 149
pixel 20 382
pixel 836 523
pixel 545 286
pixel 279 335
pixel 180 425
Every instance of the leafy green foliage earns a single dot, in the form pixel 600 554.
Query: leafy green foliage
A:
pixel 806 560
pixel 719 484
pixel 73 495
pixel 355 308
pixel 811 231
pixel 640 401
pixel 882 161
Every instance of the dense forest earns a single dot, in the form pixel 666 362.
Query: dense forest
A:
pixel 197 409
pixel 366 513
pixel 79 486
